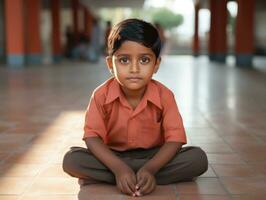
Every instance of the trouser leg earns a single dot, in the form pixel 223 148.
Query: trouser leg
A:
pixel 188 163
pixel 81 163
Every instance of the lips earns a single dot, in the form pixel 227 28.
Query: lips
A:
pixel 133 78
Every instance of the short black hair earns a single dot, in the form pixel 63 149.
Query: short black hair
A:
pixel 135 30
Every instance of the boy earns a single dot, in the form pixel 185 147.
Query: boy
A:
pixel 133 130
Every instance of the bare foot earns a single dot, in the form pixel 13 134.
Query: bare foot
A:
pixel 83 182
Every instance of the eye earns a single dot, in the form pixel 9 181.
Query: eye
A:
pixel 123 60
pixel 145 60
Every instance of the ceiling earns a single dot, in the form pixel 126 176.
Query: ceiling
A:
pixel 260 5
pixel 113 3
pixel 96 4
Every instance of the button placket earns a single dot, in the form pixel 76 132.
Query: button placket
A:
pixel 130 130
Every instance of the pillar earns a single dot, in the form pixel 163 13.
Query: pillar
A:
pixel 244 42
pixel 75 13
pixel 33 39
pixel 196 45
pixel 56 42
pixel 217 36
pixel 2 34
pixel 88 22
pixel 14 27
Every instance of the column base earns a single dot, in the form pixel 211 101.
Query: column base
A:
pixel 217 57
pixel 196 54
pixel 57 58
pixel 16 61
pixel 34 59
pixel 2 55
pixel 244 60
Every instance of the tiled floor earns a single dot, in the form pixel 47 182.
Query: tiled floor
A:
pixel 224 111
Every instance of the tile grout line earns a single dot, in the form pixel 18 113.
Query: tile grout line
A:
pixel 39 171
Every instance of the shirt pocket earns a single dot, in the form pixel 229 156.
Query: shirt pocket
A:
pixel 147 126
pixel 151 134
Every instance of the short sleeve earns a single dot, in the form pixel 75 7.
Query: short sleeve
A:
pixel 172 121
pixel 94 121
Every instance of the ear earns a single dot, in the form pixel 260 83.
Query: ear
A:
pixel 109 63
pixel 157 64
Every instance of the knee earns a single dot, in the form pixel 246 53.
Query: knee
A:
pixel 70 163
pixel 200 160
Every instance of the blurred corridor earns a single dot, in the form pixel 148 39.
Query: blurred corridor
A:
pixel 41 116
pixel 44 31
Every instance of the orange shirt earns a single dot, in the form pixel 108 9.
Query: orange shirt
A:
pixel 154 121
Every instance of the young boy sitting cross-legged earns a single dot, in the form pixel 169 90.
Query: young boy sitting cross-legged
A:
pixel 133 130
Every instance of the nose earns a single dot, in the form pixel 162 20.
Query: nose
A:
pixel 134 68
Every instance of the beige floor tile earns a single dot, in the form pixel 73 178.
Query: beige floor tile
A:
pixel 50 197
pixel 259 167
pixel 84 195
pixel 9 197
pixel 30 157
pixel 99 189
pixel 224 158
pixel 3 128
pixel 148 197
pixel 14 185
pixel 201 131
pixel 52 186
pixel 203 197
pixel 256 156
pixel 58 158
pixel 209 172
pixel 11 138
pixel 19 170
pixel 201 186
pixel 235 171
pixel 206 139
pixel 245 185
pixel 4 155
pixel 249 197
pixel 215 147
pixel 53 170
pixel 12 147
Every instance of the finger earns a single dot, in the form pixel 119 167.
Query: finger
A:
pixel 123 187
pixel 138 176
pixel 119 186
pixel 141 182
pixel 144 189
pixel 134 179
pixel 132 190
pixel 127 188
pixel 150 189
pixel 131 185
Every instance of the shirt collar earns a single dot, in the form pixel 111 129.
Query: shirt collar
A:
pixel 113 91
pixel 151 93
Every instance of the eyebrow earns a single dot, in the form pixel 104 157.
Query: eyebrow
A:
pixel 142 54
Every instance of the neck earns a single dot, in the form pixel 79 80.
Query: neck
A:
pixel 134 94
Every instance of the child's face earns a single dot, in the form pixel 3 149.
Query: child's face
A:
pixel 133 65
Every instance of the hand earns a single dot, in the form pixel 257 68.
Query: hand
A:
pixel 126 181
pixel 146 182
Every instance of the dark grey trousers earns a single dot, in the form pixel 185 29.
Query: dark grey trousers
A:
pixel 187 164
